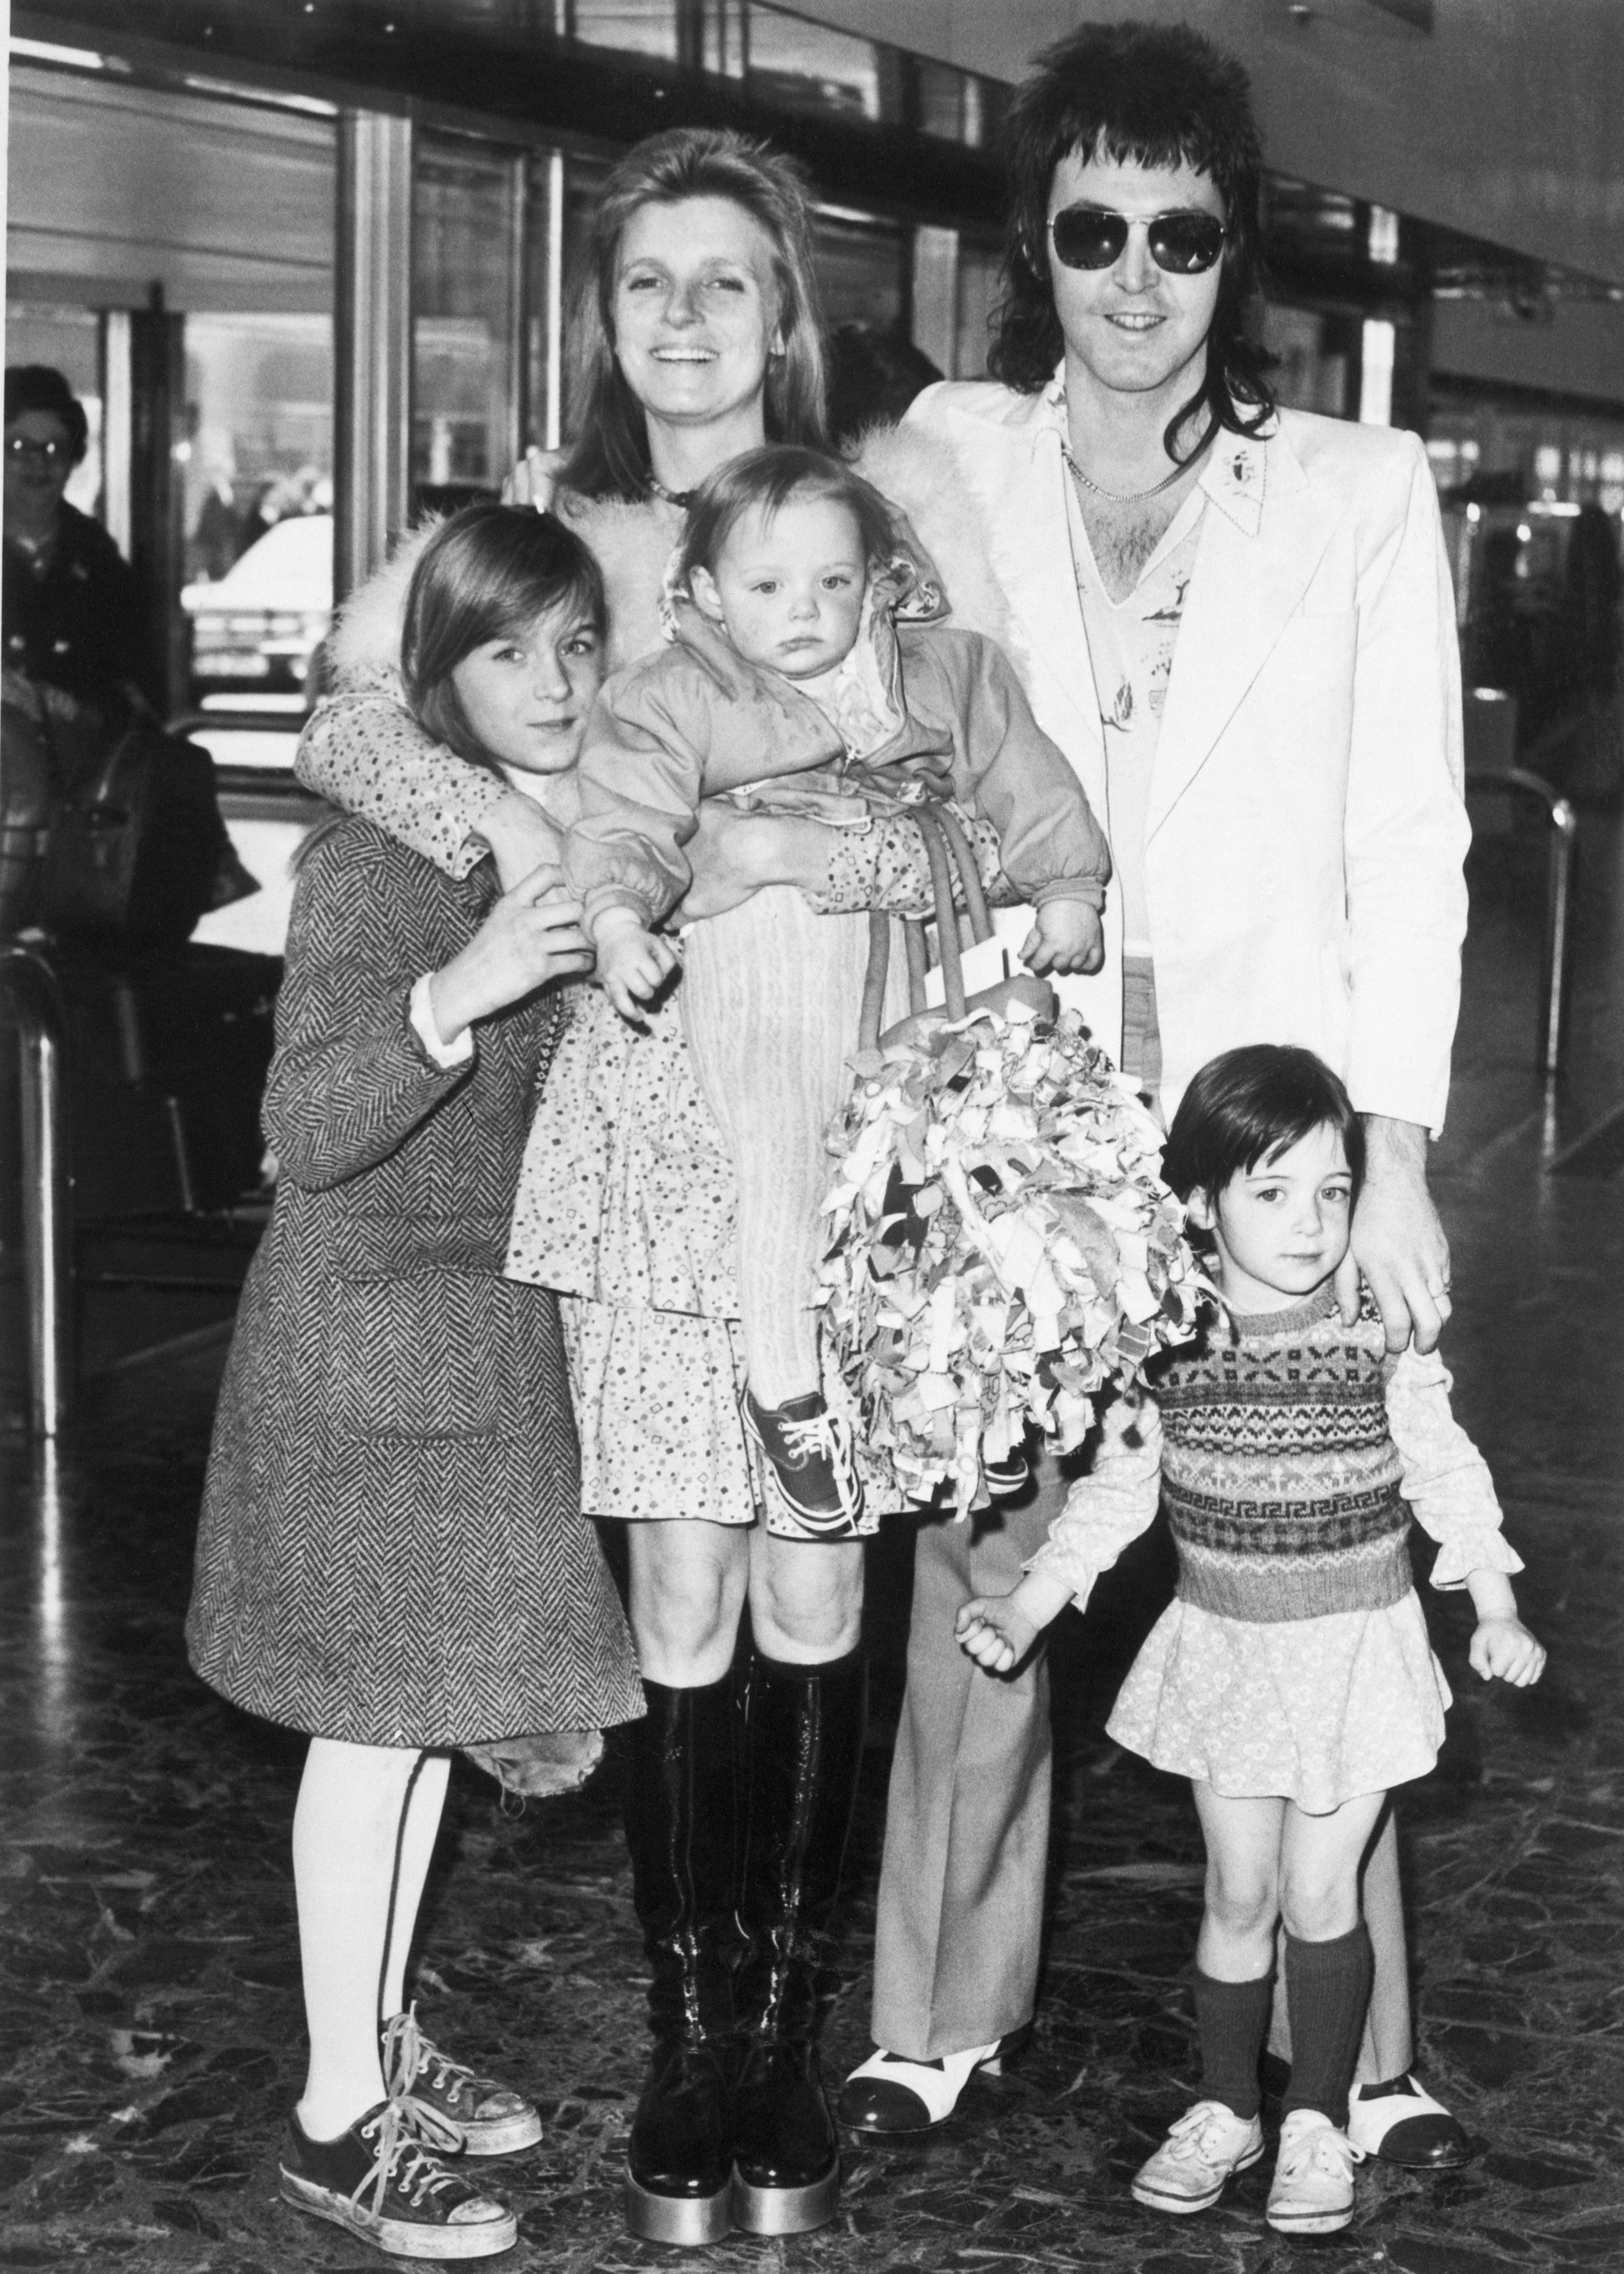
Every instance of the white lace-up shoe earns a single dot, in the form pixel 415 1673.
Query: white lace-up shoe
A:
pixel 1201 2155
pixel 1311 2191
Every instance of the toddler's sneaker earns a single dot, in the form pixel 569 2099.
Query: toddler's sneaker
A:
pixel 381 2184
pixel 492 2120
pixel 1008 1476
pixel 813 1462
pixel 1311 2191
pixel 1201 2155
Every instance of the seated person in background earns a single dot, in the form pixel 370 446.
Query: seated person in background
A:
pixel 72 611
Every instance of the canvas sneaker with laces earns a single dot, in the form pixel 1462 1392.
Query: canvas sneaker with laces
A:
pixel 1202 2152
pixel 1311 2191
pixel 491 2119
pixel 382 2182
pixel 814 1464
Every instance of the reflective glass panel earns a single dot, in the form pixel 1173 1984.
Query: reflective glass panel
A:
pixel 803 65
pixel 464 416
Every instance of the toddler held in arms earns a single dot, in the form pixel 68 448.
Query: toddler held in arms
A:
pixel 1290 1679
pixel 804 678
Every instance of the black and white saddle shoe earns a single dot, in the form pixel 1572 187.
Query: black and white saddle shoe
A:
pixel 887 2094
pixel 1403 2124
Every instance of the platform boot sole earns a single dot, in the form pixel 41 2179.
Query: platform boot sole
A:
pixel 688 2221
pixel 785 2210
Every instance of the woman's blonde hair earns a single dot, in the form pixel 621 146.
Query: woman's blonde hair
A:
pixel 609 456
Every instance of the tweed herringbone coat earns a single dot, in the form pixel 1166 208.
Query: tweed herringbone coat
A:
pixel 391 1548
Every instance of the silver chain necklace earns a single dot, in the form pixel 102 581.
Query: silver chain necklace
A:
pixel 681 498
pixel 1136 497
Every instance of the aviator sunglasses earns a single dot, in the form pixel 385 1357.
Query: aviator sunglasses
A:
pixel 1182 243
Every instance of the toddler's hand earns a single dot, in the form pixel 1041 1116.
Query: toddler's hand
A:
pixel 633 965
pixel 1504 1647
pixel 1067 935
pixel 532 935
pixel 995 1632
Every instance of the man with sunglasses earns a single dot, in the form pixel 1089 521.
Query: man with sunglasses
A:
pixel 1238 624
pixel 71 616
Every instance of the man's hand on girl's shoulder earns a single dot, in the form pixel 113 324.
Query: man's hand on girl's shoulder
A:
pixel 1398 1242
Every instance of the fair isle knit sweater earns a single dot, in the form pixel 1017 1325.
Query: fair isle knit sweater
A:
pixel 1289 1451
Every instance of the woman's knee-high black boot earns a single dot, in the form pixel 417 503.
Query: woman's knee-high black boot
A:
pixel 805 1737
pixel 680 1827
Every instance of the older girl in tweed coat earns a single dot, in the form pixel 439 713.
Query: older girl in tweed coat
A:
pixel 391 1555
pixel 1292 1679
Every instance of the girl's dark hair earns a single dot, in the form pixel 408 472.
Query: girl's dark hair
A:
pixel 1249 1105
pixel 1141 95
pixel 764 480
pixel 39 387
pixel 486 574
pixel 609 456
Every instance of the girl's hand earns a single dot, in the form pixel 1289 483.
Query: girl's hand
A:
pixel 996 1632
pixel 633 965
pixel 1067 935
pixel 531 937
pixel 1503 1646
pixel 534 480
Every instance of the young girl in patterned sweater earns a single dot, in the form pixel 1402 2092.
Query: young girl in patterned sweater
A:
pixel 1290 1679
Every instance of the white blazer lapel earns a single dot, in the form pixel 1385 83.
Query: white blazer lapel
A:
pixel 1254 562
pixel 1036 570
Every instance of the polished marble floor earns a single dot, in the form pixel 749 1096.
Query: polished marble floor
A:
pixel 148 1990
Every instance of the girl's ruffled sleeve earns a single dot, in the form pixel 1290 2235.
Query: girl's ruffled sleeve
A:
pixel 1444 1477
pixel 366 752
pixel 1108 1509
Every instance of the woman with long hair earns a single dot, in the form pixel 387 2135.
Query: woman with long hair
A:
pixel 695 338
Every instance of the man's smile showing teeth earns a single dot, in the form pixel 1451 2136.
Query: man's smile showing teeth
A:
pixel 684 355
pixel 1134 319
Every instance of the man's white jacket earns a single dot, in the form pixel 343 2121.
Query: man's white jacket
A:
pixel 1306 828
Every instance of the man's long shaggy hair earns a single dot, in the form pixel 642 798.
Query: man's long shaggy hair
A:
pixel 1138 94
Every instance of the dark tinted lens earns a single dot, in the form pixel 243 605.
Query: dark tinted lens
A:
pixel 1184 243
pixel 1086 238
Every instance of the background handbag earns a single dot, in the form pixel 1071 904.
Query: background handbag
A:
pixel 137 851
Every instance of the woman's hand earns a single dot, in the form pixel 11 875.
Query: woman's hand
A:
pixel 633 963
pixel 521 840
pixel 1067 935
pixel 531 937
pixel 732 855
pixel 1503 1647
pixel 534 480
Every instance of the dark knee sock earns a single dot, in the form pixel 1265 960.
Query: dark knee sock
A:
pixel 1327 1990
pixel 1233 2019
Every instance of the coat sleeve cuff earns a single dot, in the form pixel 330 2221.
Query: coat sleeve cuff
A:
pixel 420 1015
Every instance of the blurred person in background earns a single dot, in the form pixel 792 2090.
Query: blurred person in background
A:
pixel 71 606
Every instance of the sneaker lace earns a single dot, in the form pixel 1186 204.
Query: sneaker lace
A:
pixel 825 1434
pixel 408 2055
pixel 1323 2149
pixel 403 2157
pixel 1196 2130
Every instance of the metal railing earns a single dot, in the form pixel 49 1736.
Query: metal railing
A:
pixel 1558 951
pixel 35 999
pixel 1490 737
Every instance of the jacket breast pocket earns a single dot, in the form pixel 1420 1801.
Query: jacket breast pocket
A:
pixel 422 1356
